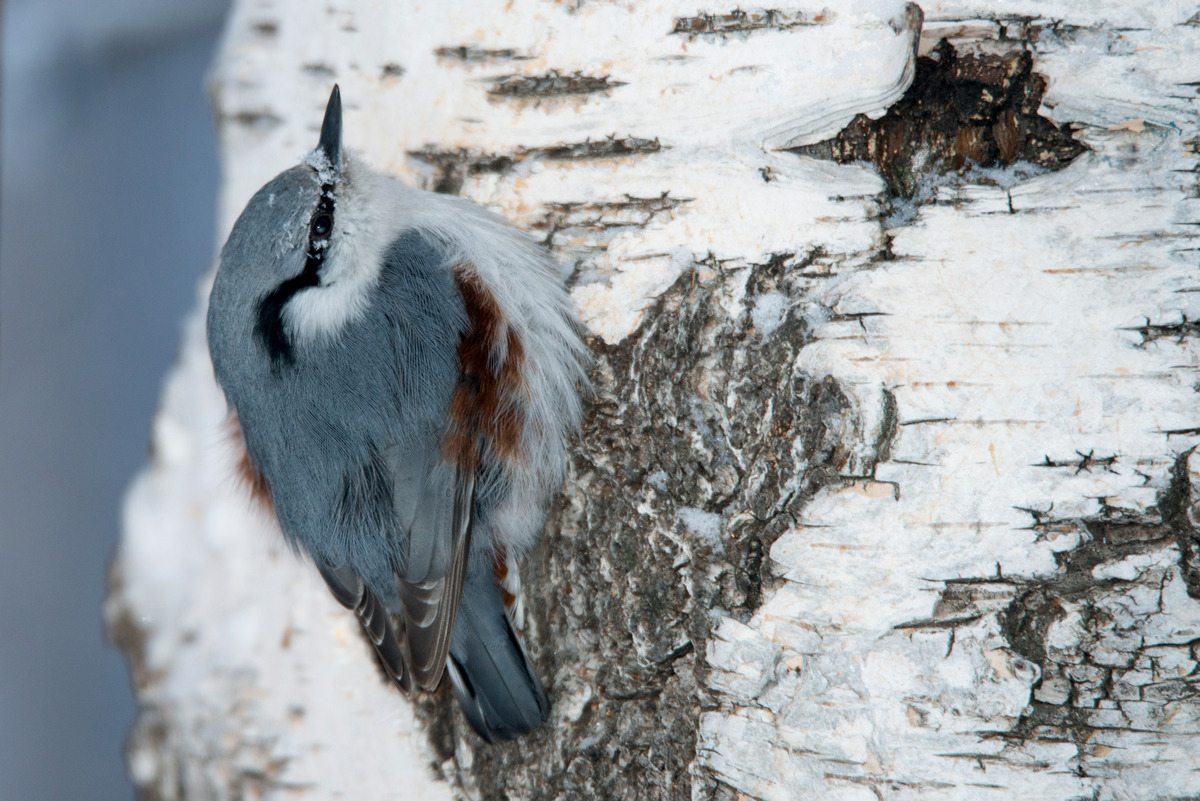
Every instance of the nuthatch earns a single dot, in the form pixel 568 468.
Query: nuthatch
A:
pixel 405 370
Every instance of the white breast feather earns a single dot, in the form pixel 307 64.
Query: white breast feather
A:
pixel 527 285
pixel 353 262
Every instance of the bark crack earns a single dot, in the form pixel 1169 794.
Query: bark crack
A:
pixel 452 167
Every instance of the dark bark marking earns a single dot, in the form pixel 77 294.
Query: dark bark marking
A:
pixel 552 84
pixel 469 54
pixel 562 222
pixel 1066 705
pixel 1083 464
pixel 252 118
pixel 317 70
pixel 739 21
pixel 963 110
pixel 452 167
pixel 1180 331
pixel 1181 510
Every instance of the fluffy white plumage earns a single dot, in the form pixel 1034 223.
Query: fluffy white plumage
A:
pixel 373 210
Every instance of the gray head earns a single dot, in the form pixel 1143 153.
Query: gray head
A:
pixel 302 256
pixel 330 346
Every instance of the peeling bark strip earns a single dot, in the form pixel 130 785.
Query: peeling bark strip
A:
pixel 974 108
pixel 745 21
pixel 552 84
pixel 451 167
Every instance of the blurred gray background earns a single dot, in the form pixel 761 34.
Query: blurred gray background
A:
pixel 109 180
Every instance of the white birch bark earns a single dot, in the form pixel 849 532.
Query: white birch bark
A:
pixel 860 512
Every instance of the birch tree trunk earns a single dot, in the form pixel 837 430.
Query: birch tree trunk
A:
pixel 887 487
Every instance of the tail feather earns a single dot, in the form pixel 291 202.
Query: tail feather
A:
pixel 489 669
pixel 490 672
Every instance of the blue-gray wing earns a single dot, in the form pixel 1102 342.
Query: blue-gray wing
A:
pixel 432 496
pixel 431 503
pixel 434 502
pixel 408 341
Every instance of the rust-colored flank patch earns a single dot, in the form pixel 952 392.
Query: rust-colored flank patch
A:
pixel 247 472
pixel 500 571
pixel 486 403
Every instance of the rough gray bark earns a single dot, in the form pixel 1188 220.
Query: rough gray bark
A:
pixel 707 415
pixel 887 487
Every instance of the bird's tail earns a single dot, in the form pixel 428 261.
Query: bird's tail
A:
pixel 489 670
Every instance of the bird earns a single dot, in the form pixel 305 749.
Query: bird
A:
pixel 404 372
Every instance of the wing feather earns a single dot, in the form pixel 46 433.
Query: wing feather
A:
pixel 431 605
pixel 351 593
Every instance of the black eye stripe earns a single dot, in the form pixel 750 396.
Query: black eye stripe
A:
pixel 269 322
pixel 321 225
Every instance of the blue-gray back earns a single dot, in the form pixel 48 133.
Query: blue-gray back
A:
pixel 330 430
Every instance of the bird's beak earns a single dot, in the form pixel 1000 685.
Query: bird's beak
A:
pixel 331 131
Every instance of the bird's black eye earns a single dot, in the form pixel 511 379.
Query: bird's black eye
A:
pixel 321 226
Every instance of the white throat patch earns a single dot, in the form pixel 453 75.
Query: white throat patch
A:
pixel 352 264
